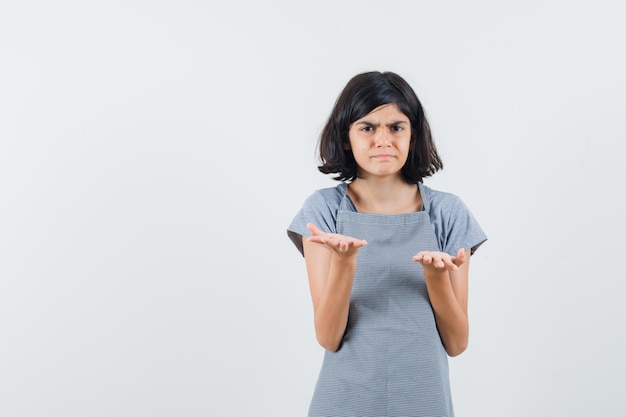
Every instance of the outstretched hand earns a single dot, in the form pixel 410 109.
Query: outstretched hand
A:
pixel 340 244
pixel 441 260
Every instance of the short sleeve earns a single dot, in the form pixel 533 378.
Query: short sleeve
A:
pixel 461 229
pixel 320 208
pixel 453 222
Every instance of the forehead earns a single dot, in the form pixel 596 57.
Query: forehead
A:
pixel 389 110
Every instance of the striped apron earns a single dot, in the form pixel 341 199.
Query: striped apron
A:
pixel 391 361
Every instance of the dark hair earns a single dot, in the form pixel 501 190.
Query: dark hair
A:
pixel 363 93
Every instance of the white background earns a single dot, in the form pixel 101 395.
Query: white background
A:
pixel 152 154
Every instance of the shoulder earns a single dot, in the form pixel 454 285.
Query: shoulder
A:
pixel 436 201
pixel 319 208
pixel 453 222
pixel 327 198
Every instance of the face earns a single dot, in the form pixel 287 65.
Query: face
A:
pixel 380 141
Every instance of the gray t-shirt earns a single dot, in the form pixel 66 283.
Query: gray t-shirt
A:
pixel 454 225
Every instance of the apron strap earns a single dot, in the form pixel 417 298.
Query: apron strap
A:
pixel 425 197
pixel 346 203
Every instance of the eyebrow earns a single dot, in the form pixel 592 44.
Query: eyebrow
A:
pixel 398 122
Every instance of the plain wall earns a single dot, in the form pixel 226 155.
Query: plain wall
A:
pixel 152 154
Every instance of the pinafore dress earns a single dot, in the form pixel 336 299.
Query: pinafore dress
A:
pixel 391 361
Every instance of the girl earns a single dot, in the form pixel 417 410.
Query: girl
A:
pixel 387 258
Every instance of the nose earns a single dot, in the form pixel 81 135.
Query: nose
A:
pixel 382 138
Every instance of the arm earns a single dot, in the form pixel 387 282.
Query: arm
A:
pixel 331 263
pixel 447 284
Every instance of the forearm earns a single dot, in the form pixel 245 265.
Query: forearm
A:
pixel 450 314
pixel 331 312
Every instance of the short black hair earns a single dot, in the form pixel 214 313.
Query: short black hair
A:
pixel 362 94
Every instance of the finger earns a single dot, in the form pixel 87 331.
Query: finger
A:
pixel 418 257
pixel 335 242
pixel 316 239
pixel 450 265
pixel 313 228
pixel 320 237
pixel 461 257
pixel 440 260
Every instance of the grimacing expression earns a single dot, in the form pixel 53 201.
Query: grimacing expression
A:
pixel 380 141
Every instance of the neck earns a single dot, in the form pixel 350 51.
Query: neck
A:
pixel 385 195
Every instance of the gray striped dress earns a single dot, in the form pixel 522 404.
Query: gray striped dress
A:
pixel 391 361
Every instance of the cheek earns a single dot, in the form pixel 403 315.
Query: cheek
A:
pixel 406 149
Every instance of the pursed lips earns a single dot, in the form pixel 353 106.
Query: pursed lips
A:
pixel 383 156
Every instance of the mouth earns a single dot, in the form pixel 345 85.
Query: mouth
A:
pixel 382 157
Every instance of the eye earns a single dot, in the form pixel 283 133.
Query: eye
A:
pixel 397 128
pixel 367 129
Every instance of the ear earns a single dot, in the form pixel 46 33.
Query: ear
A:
pixel 346 146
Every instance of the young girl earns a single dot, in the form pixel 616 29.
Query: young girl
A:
pixel 387 258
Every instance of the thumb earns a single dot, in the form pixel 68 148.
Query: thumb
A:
pixel 461 256
pixel 312 228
